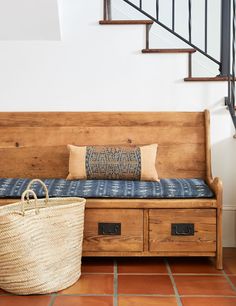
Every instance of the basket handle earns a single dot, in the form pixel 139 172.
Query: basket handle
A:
pixel 26 193
pixel 44 187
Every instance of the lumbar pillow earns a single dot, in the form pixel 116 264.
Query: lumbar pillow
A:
pixel 113 163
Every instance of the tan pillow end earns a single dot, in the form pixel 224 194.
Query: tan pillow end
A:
pixel 77 169
pixel 148 162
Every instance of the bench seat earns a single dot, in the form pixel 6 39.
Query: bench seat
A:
pixel 166 188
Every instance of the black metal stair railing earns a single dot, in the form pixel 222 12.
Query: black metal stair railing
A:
pixel 226 42
pixel 188 40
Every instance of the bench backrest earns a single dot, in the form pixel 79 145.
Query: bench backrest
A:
pixel 34 144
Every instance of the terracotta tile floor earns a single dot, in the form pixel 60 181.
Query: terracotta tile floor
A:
pixel 144 282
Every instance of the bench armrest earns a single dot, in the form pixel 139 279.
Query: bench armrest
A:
pixel 217 186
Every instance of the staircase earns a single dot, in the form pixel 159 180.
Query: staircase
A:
pixel 226 41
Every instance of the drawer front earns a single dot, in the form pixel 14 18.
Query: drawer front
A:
pixel 113 230
pixel 181 230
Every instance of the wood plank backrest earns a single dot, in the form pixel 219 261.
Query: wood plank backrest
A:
pixel 34 144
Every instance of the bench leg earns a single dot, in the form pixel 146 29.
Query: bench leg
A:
pixel 219 250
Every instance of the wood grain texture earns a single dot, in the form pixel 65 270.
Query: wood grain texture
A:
pixel 206 79
pixel 217 187
pixel 86 119
pixel 124 22
pixel 145 230
pixel 203 240
pixel 147 254
pixel 36 142
pixel 131 238
pixel 172 50
pixel 34 145
pixel 141 203
pixel 208 147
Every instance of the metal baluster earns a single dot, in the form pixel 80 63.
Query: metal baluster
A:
pixel 189 65
pixel 157 9
pixel 140 4
pixel 173 15
pixel 148 28
pixel 104 9
pixel 206 24
pixel 228 99
pixel 225 41
pixel 233 57
pixel 190 20
pixel 107 10
pixel 190 37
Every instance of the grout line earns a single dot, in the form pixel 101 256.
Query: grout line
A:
pixel 179 303
pixel 164 274
pixel 209 296
pixel 156 273
pixel 52 300
pixel 185 295
pixel 229 281
pixel 85 294
pixel 148 294
pixel 115 297
pixel 96 273
pixel 184 274
pixel 198 274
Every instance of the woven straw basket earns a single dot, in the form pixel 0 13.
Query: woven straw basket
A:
pixel 40 243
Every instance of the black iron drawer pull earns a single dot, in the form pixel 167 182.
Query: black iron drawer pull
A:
pixel 109 228
pixel 182 229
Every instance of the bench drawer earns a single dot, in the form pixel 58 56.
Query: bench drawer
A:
pixel 181 230
pixel 113 230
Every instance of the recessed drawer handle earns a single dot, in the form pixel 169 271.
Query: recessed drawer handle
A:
pixel 109 228
pixel 182 229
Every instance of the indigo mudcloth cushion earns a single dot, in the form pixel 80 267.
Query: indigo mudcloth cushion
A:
pixel 165 188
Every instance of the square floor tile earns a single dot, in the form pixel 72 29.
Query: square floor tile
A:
pixel 97 265
pixel 91 284
pixel 146 301
pixel 144 284
pixel 209 301
pixel 203 285
pixel 32 300
pixel 83 300
pixel 229 264
pixel 141 265
pixel 193 265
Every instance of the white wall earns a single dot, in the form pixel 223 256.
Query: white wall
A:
pixel 101 68
pixel 29 20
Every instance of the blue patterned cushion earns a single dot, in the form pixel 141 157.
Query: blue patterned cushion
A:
pixel 166 188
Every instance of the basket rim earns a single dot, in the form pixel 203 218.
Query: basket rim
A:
pixel 6 209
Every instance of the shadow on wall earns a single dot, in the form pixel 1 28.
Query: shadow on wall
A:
pixel 224 166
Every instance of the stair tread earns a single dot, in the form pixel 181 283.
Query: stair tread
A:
pixel 107 22
pixel 206 79
pixel 175 50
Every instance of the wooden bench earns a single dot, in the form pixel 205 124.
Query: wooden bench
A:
pixel 34 145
